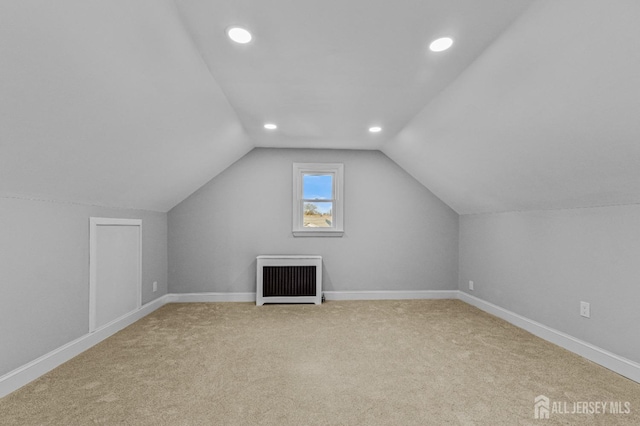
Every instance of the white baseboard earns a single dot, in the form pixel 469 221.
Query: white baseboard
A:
pixel 613 362
pixel 211 297
pixel 329 295
pixel 22 375
pixel 391 295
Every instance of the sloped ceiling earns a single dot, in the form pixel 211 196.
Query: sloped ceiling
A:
pixel 108 103
pixel 325 71
pixel 137 103
pixel 547 118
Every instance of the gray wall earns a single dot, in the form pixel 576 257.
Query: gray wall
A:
pixel 44 273
pixel 398 235
pixel 542 264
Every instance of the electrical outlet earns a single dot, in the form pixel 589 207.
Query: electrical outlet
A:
pixel 155 286
pixel 585 309
pixel 471 285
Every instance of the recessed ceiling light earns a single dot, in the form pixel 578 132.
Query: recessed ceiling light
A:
pixel 441 44
pixel 239 35
pixel 270 126
pixel 375 129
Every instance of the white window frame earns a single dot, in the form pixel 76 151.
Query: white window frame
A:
pixel 337 221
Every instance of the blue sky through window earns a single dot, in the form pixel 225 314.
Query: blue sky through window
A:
pixel 317 186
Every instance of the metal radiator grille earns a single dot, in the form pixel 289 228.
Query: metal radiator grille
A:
pixel 287 281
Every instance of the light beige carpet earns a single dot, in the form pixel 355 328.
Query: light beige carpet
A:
pixel 418 362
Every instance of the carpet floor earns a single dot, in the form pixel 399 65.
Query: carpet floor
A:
pixel 410 362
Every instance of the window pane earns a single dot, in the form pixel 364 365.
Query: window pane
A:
pixel 317 214
pixel 317 187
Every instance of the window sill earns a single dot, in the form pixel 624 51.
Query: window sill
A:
pixel 305 233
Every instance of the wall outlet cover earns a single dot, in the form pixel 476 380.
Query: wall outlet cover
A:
pixel 585 309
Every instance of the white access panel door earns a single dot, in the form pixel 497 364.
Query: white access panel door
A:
pixel 115 287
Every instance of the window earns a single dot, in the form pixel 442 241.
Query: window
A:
pixel 317 200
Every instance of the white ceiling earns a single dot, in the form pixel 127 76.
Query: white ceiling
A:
pixel 547 118
pixel 108 103
pixel 325 71
pixel 137 103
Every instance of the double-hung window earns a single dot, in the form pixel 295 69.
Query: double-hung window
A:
pixel 318 191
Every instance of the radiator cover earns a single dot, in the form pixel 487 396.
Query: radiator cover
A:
pixel 289 279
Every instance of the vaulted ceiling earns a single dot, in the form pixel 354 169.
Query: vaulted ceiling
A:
pixel 137 103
